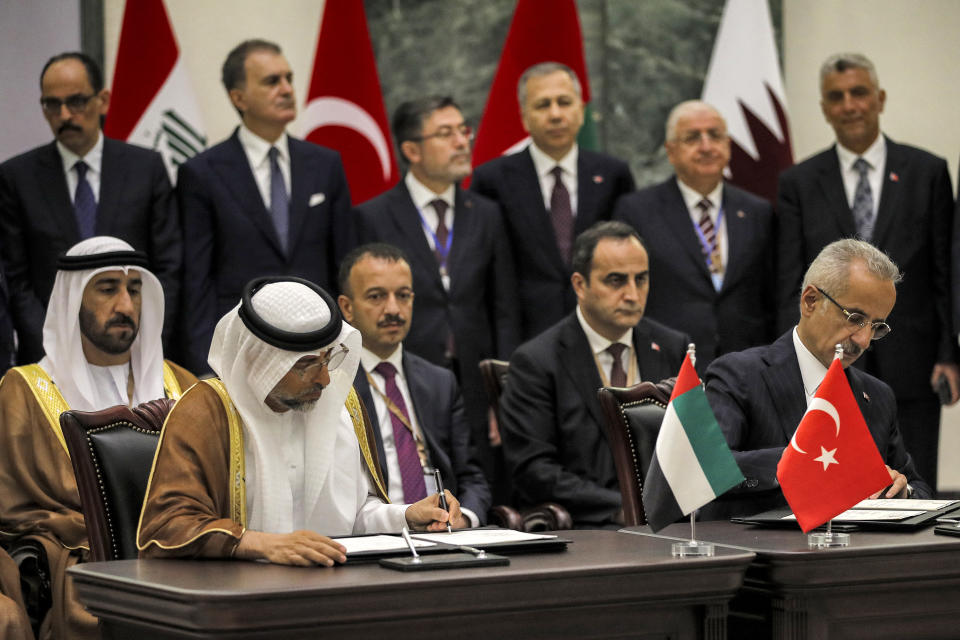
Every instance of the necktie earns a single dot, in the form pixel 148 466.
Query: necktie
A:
pixel 279 203
pixel 561 214
pixel 863 201
pixel 84 204
pixel 440 251
pixel 618 377
pixel 711 248
pixel 411 473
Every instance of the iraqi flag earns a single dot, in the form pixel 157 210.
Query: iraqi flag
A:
pixel 344 104
pixel 832 462
pixel 744 84
pixel 152 102
pixel 541 31
pixel 692 463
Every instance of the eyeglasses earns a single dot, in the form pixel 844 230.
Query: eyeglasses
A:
pixel 855 319
pixel 331 361
pixel 691 138
pixel 446 132
pixel 75 103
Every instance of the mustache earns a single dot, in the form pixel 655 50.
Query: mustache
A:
pixel 69 126
pixel 851 348
pixel 120 320
pixel 392 319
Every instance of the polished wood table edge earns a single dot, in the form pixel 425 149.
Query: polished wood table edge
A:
pixel 636 573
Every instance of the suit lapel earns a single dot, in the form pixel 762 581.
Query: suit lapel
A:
pixel 739 235
pixel 113 179
pixel 891 194
pixel 830 179
pixel 523 181
pixel 408 224
pixel 649 358
pixel 785 383
pixel 233 169
pixel 421 395
pixel 301 188
pixel 580 365
pixel 676 217
pixel 465 232
pixel 55 192
pixel 589 186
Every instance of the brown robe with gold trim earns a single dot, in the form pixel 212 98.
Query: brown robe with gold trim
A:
pixel 14 624
pixel 187 511
pixel 39 499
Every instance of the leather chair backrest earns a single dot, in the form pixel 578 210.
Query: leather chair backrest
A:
pixel 632 419
pixel 112 452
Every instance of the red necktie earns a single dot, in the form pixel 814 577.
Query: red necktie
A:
pixel 618 377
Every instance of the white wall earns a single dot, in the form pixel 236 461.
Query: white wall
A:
pixel 206 31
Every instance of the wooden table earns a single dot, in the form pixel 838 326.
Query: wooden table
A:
pixel 885 585
pixel 605 585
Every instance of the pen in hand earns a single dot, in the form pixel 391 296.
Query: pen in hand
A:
pixel 442 497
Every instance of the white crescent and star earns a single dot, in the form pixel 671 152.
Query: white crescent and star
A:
pixel 330 111
pixel 820 404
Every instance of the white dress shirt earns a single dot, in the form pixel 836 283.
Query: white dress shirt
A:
pixel 812 371
pixel 604 359
pixel 94 160
pixel 876 157
pixel 544 164
pixel 258 155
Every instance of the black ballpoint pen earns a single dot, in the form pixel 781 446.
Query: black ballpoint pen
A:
pixel 442 496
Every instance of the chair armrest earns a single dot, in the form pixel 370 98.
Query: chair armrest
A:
pixel 506 517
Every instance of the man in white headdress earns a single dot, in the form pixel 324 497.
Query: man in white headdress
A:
pixel 102 341
pixel 256 464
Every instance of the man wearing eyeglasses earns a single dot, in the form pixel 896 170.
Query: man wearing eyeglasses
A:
pixel 466 307
pixel 710 243
pixel 80 185
pixel 760 395
pixel 899 199
pixel 275 455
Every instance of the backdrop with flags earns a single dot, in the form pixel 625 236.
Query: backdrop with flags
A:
pixel 541 31
pixel 692 463
pixel 345 108
pixel 832 462
pixel 745 85
pixel 152 102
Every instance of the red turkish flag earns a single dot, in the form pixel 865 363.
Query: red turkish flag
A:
pixel 832 462
pixel 541 31
pixel 344 104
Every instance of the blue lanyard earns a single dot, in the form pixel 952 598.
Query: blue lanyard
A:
pixel 444 251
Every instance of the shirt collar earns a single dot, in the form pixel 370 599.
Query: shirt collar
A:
pixel 94 157
pixel 370 360
pixel 875 154
pixel 257 148
pixel 544 164
pixel 812 371
pixel 422 196
pixel 598 343
pixel 692 197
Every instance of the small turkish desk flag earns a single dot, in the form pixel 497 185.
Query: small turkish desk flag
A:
pixel 832 462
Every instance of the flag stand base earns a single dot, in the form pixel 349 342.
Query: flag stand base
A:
pixel 828 540
pixel 692 549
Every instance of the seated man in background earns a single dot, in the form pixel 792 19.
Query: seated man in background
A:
pixel 283 420
pixel 760 395
pixel 102 339
pixel 415 405
pixel 552 427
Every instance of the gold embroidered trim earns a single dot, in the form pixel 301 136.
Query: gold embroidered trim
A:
pixel 47 396
pixel 238 487
pixel 356 416
pixel 171 386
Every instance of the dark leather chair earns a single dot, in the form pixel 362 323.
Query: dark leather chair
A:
pixel 632 418
pixel 547 516
pixel 112 453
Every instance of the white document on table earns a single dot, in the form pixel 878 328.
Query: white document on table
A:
pixel 481 537
pixel 900 504
pixel 379 543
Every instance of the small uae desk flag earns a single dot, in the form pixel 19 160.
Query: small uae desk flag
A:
pixel 832 462
pixel 692 463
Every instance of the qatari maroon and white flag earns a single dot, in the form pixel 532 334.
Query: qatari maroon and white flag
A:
pixel 745 85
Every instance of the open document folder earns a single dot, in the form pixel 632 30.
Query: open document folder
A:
pixel 501 540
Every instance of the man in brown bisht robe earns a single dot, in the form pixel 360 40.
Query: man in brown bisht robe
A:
pixel 275 455
pixel 102 341
pixel 14 624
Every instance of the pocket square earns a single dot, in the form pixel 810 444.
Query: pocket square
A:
pixel 316 199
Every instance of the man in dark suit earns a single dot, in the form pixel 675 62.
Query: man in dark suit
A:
pixel 899 199
pixel 760 395
pixel 550 192
pixel 416 405
pixel 259 203
pixel 466 302
pixel 710 243
pixel 78 186
pixel 553 436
